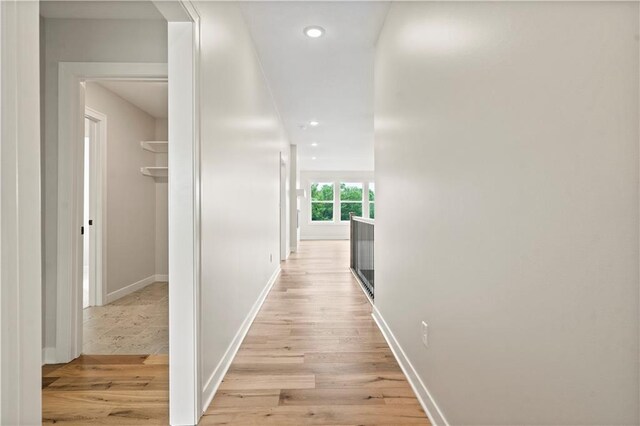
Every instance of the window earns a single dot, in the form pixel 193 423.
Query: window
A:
pixel 372 200
pixel 350 200
pixel 322 202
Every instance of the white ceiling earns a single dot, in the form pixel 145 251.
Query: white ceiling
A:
pixel 329 79
pixel 96 9
pixel 149 96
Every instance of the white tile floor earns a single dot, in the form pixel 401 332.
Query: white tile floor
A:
pixel 137 324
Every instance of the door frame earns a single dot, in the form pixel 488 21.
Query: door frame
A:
pixel 71 113
pixel 21 214
pixel 182 71
pixel 98 209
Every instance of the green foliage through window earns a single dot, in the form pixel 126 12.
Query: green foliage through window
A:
pixel 322 202
pixel 322 211
pixel 372 199
pixel 350 200
pixel 351 192
pixel 346 208
pixel 322 192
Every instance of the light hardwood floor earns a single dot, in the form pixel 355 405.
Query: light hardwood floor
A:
pixel 314 355
pixel 107 390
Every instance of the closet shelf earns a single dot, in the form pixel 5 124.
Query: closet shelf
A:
pixel 158 147
pixel 155 172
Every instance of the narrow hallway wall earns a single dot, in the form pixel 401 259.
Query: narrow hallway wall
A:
pixel 507 206
pixel 241 141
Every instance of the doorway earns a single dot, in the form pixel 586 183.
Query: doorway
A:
pixel 128 313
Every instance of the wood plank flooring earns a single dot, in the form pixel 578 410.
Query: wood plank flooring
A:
pixel 107 390
pixel 314 355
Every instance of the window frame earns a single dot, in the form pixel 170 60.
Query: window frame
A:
pixel 335 181
pixel 362 199
pixel 311 201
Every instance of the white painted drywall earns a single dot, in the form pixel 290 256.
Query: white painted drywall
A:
pixel 242 137
pixel 131 196
pixel 82 40
pixel 507 218
pixel 20 230
pixel 162 207
pixel 336 230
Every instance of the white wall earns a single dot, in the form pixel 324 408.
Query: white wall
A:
pixel 131 196
pixel 82 40
pixel 242 137
pixel 336 230
pixel 507 217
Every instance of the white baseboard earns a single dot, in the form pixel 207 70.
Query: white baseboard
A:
pixel 429 405
pixel 48 356
pixel 212 384
pixel 113 296
pixel 162 277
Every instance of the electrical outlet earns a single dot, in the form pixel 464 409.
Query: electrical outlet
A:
pixel 425 334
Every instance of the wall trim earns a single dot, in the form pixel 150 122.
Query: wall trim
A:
pixel 162 277
pixel 21 224
pixel 49 355
pixel 213 382
pixel 118 294
pixel 429 405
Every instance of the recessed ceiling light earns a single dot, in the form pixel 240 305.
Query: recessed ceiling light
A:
pixel 314 31
pixel 313 123
pixel 313 158
pixel 314 144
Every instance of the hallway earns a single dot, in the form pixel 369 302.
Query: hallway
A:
pixel 314 355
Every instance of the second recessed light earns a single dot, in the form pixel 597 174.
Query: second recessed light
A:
pixel 314 144
pixel 313 123
pixel 314 31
